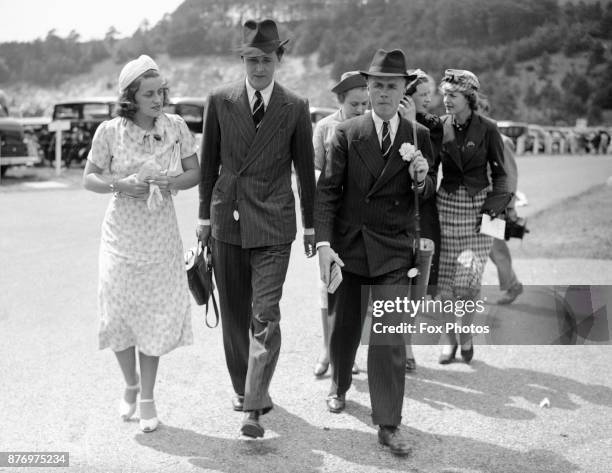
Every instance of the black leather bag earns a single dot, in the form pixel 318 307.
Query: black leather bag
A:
pixel 516 228
pixel 198 264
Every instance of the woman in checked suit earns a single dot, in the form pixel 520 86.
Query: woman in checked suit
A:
pixel 472 149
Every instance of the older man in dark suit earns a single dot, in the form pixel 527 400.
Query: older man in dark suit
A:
pixel 253 131
pixel 363 207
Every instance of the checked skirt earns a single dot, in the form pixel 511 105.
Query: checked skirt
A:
pixel 463 251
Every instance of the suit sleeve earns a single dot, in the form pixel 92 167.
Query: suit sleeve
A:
pixel 302 155
pixel 511 168
pixel 427 151
pixel 210 156
pixel 318 141
pixel 330 186
pixel 496 159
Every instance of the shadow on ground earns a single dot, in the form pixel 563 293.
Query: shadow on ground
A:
pixel 491 391
pixel 303 447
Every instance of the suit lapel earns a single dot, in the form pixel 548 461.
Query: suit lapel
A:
pixel 449 143
pixel 240 111
pixel 273 118
pixel 368 147
pixel 395 161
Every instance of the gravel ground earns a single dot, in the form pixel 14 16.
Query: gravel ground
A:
pixel 59 393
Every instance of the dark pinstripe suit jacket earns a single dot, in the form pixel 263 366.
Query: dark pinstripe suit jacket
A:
pixel 363 206
pixel 251 171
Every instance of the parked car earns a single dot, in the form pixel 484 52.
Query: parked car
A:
pixel 85 115
pixel 539 135
pixel 15 148
pixel 36 130
pixel 525 131
pixel 512 129
pixel 316 113
pixel 191 109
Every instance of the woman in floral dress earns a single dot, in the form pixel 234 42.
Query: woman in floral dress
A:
pixel 142 157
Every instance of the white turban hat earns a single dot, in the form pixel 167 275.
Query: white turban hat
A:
pixel 134 69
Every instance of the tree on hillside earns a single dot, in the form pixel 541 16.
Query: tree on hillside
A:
pixel 544 66
pixel 5 73
pixel 596 55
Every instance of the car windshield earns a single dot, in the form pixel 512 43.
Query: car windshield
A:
pixel 95 111
pixel 512 131
pixel 191 113
pixel 63 112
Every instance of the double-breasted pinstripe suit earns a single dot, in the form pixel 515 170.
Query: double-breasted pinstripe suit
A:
pixel 363 207
pixel 246 193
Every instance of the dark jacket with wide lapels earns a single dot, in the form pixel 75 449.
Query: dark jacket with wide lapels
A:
pixel 364 205
pixel 469 164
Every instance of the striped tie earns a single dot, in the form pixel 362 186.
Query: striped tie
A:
pixel 386 140
pixel 258 109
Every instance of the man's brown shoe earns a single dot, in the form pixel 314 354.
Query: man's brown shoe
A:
pixel 393 438
pixel 336 403
pixel 251 426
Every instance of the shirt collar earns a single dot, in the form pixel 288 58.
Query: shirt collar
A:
pixel 465 125
pixel 393 124
pixel 139 134
pixel 265 93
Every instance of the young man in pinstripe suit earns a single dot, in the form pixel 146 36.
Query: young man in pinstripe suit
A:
pixel 254 130
pixel 364 203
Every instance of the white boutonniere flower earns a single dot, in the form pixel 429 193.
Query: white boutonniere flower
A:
pixel 408 152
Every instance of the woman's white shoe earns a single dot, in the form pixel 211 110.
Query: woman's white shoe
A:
pixel 128 409
pixel 148 425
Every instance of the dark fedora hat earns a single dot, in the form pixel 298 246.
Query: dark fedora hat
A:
pixel 260 36
pixel 388 64
pixel 349 80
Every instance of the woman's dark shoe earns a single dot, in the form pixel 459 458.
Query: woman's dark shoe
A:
pixel 511 294
pixel 468 354
pixel 321 368
pixel 446 358
pixel 410 365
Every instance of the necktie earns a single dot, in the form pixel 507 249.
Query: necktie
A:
pixel 258 109
pixel 386 140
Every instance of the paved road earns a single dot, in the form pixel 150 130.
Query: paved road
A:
pixel 58 392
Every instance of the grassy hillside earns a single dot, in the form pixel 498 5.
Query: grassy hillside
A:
pixel 198 75
pixel 537 61
pixel 186 77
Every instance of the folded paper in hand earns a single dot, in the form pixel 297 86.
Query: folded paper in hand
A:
pixel 335 278
pixel 495 227
pixel 151 170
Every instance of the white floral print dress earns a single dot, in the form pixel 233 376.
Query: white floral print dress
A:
pixel 143 297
